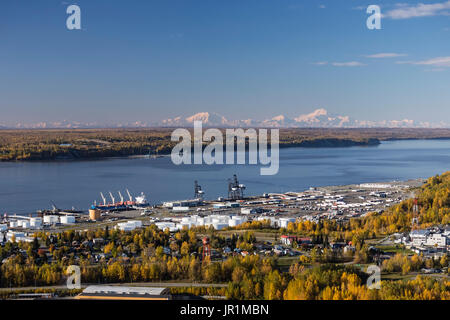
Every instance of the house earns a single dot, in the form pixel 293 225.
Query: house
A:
pixel 289 240
pixel 305 240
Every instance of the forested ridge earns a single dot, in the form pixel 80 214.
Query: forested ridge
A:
pixel 19 145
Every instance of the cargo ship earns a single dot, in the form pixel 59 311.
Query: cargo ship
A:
pixel 56 211
pixel 139 202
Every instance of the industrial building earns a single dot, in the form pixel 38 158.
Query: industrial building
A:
pixel 99 292
pixel 182 203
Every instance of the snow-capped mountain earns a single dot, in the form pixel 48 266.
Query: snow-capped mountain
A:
pixel 279 121
pixel 319 118
pixel 208 119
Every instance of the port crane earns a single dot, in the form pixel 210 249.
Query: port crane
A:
pixel 198 192
pixel 129 196
pixel 103 198
pixel 112 197
pixel 235 189
pixel 54 207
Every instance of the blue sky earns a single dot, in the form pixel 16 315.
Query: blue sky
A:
pixel 151 60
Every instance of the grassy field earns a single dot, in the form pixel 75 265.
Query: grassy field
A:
pixel 395 249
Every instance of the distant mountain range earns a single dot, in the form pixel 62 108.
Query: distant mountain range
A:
pixel 319 118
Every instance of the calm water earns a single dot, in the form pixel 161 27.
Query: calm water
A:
pixel 26 187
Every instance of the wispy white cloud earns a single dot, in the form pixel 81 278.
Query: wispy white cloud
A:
pixel 385 55
pixel 321 63
pixel 443 62
pixel 348 64
pixel 420 10
pixel 322 6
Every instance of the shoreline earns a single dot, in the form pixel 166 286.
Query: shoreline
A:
pixel 410 183
pixel 332 143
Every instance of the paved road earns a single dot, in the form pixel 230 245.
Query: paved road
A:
pixel 133 284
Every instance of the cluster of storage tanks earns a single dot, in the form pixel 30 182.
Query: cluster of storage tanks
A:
pixel 32 223
pixel 36 223
pixel 218 222
pixel 277 222
pixel 19 236
pixel 59 219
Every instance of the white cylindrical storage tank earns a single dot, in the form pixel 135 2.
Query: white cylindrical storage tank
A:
pixel 67 219
pixel 207 220
pixel 185 220
pixel 215 220
pixel 51 219
pixel 136 223
pixel 233 222
pixel 127 227
pixel 185 225
pixel 194 219
pixel 219 226
pixel 285 221
pixel 224 219
pixel 36 222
